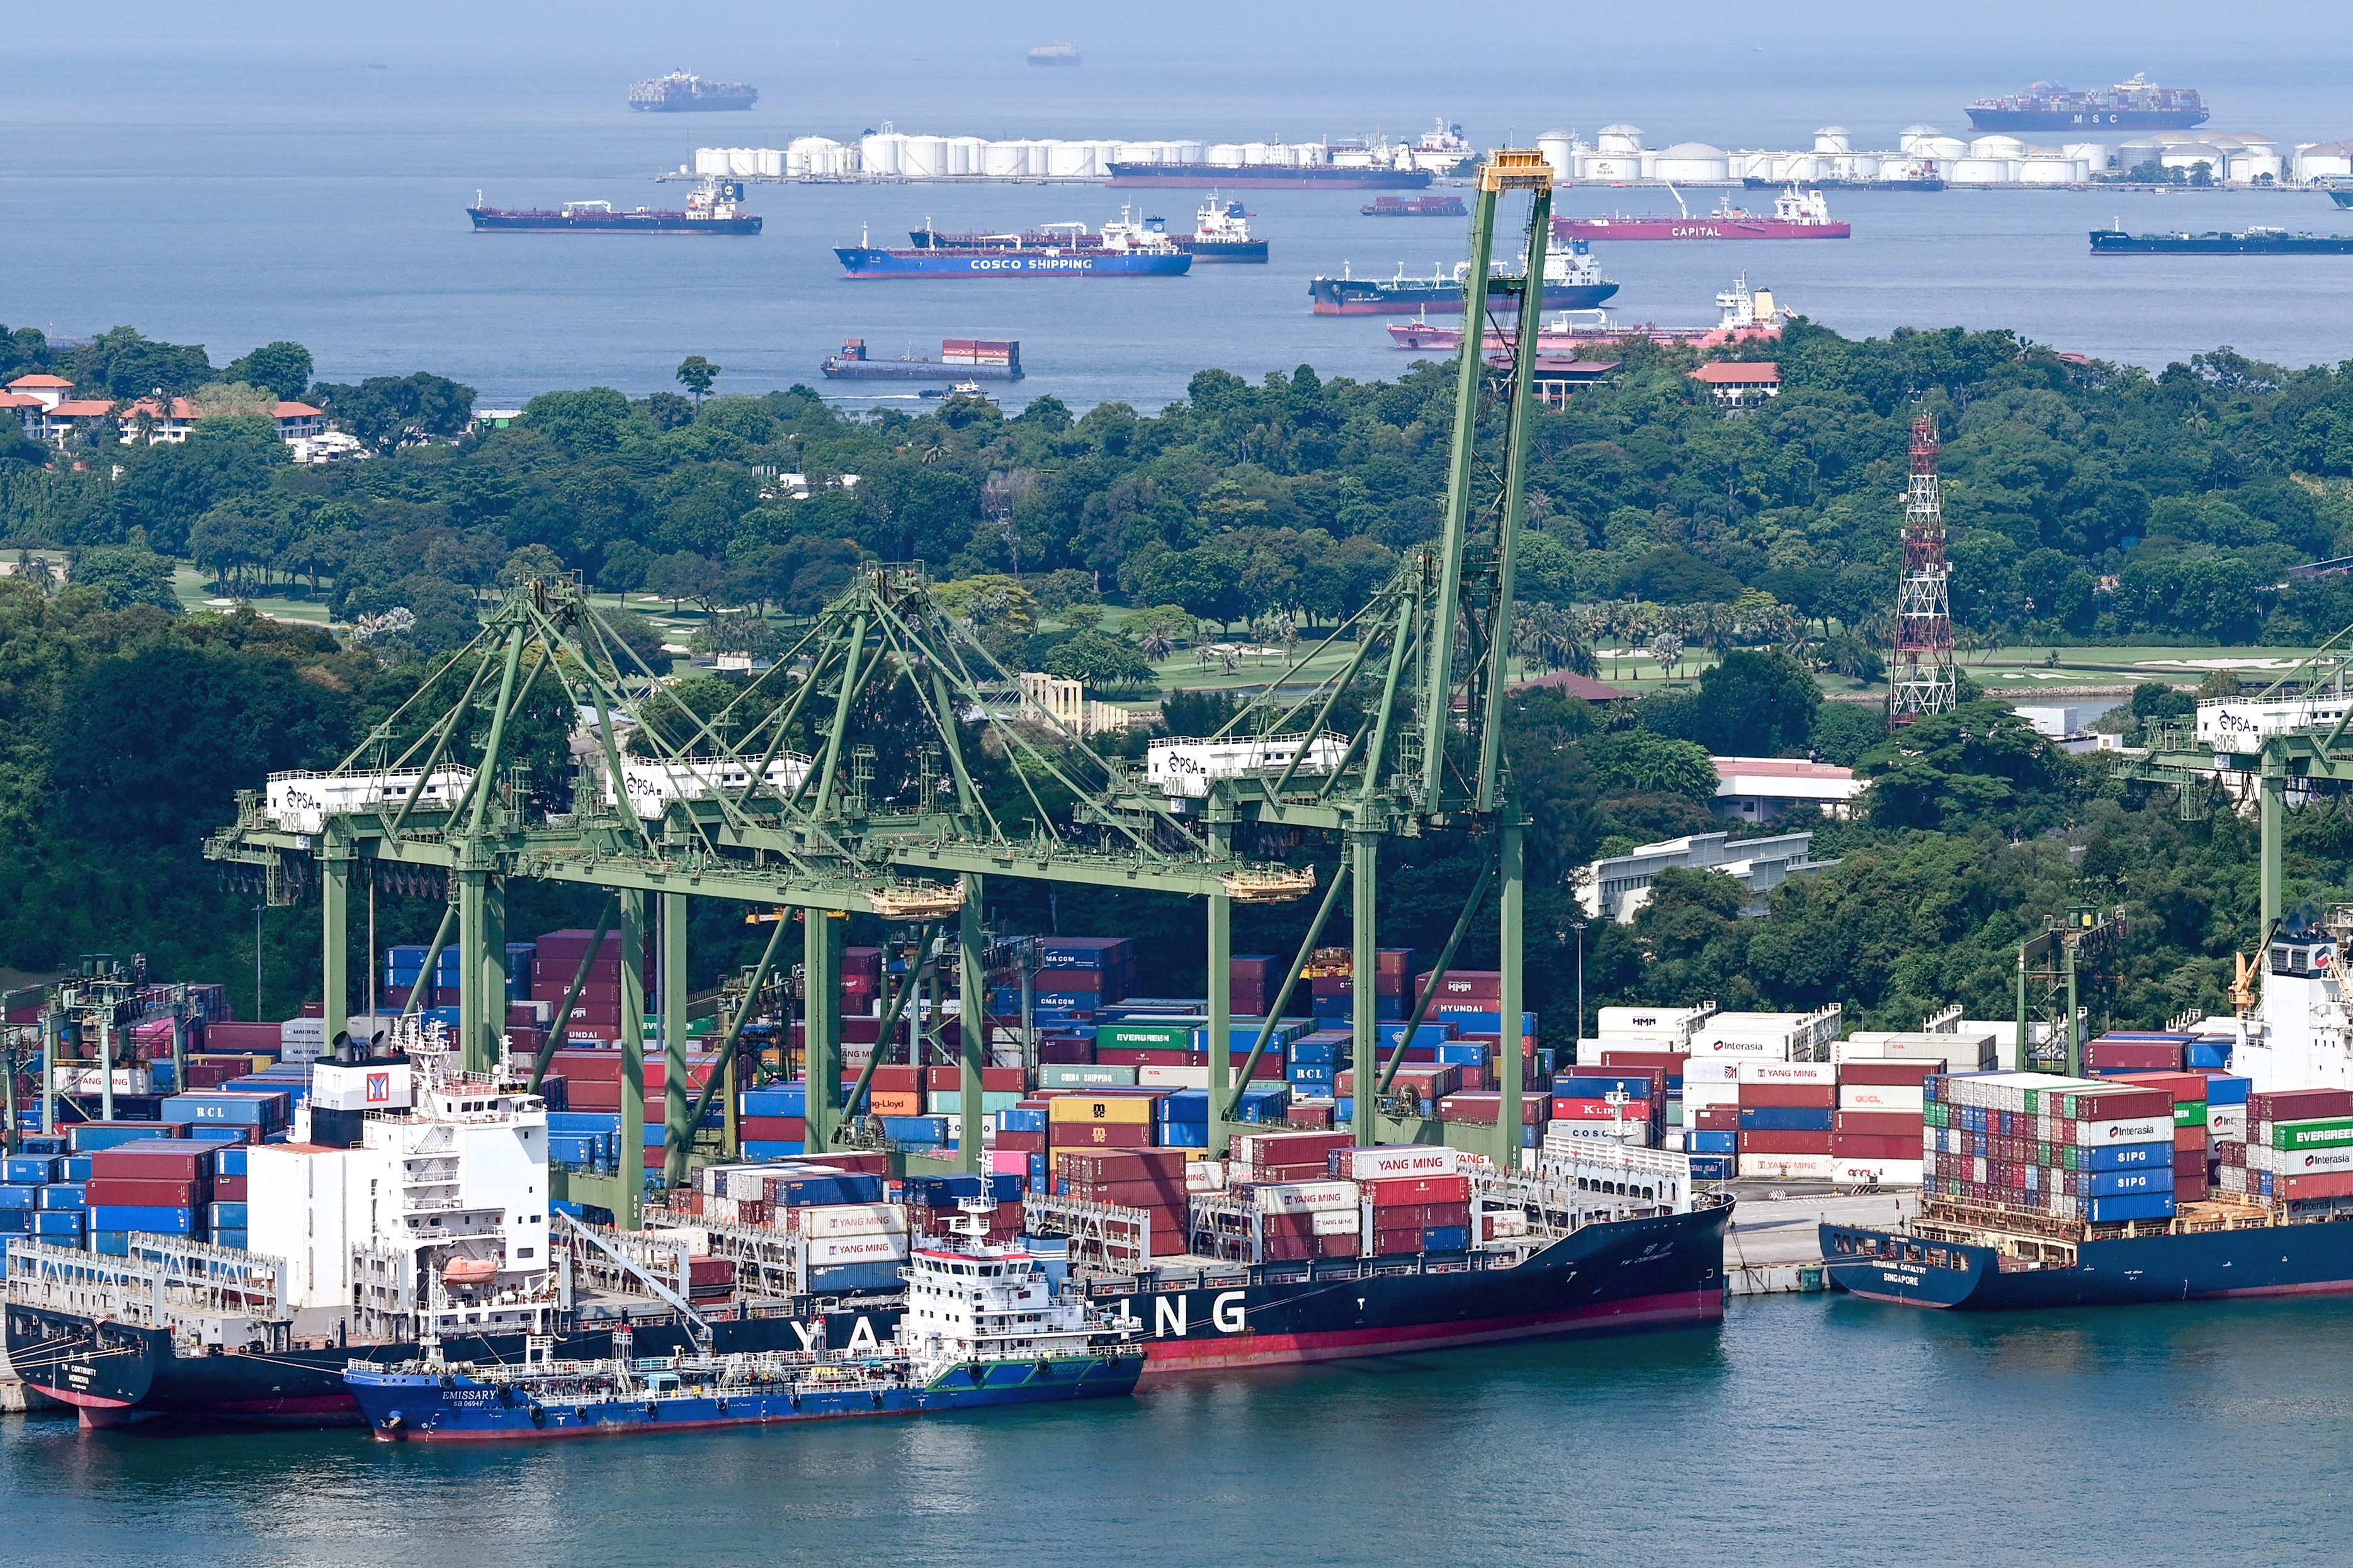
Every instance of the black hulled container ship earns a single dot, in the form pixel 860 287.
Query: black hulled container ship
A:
pixel 713 207
pixel 2135 104
pixel 2253 241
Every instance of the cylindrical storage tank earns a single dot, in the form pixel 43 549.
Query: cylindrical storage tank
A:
pixel 2045 170
pixel 1312 153
pixel 1005 159
pixel 1225 155
pixel 1139 153
pixel 882 154
pixel 1912 133
pixel 1797 169
pixel 1979 172
pixel 1940 147
pixel 923 157
pixel 1852 166
pixel 2189 154
pixel 1106 152
pixel 2324 161
pixel 1750 164
pixel 971 154
pixel 1606 167
pixel 2257 167
pixel 1690 163
pixel 1256 153
pixel 1559 152
pixel 1069 160
pixel 742 161
pixel 772 162
pixel 1185 151
pixel 2096 156
pixel 1834 138
pixel 1997 147
pixel 1618 139
pixel 710 160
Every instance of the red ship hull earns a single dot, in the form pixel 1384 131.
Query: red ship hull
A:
pixel 1709 228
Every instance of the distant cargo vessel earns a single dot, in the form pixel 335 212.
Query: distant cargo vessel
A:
pixel 1572 281
pixel 1124 249
pixel 1055 55
pixel 1923 182
pixel 712 207
pixel 2257 241
pixel 1743 315
pixel 961 360
pixel 1220 233
pixel 2136 104
pixel 1416 206
pixel 1270 176
pixel 682 92
pixel 1796 215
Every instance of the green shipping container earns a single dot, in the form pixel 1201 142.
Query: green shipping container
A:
pixel 1152 1034
pixel 2190 1114
pixel 1072 1075
pixel 2333 1132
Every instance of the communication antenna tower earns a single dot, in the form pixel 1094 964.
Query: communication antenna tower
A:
pixel 1923 676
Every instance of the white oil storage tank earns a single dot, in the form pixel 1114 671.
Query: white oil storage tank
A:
pixel 2046 169
pixel 1070 160
pixel 743 163
pixel 1797 169
pixel 1558 151
pixel 1225 155
pixel 968 154
pixel 1980 172
pixel 1140 152
pixel 2188 155
pixel 1911 134
pixel 1608 167
pixel 2257 167
pixel 1942 148
pixel 1852 166
pixel 1834 138
pixel 1185 151
pixel 710 160
pixel 1690 163
pixel 2096 156
pixel 882 154
pixel 1256 153
pixel 1616 139
pixel 923 157
pixel 1997 146
pixel 2324 161
pixel 1751 163
pixel 1004 161
pixel 772 162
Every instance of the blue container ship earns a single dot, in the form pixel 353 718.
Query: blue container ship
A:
pixel 1121 250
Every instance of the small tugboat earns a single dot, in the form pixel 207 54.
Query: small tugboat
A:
pixel 983 1326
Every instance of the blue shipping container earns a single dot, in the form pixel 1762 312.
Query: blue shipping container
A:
pixel 2132 1206
pixel 1722 1140
pixel 28 1170
pixel 63 1195
pixel 113 1243
pixel 2118 1183
pixel 2128 1156
pixel 776 1099
pixel 1447 1239
pixel 20 1197
pixel 60 1224
pixel 1786 1119
pixel 761 1151
pixel 156 1220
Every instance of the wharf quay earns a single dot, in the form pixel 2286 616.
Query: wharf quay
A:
pixel 1774 1246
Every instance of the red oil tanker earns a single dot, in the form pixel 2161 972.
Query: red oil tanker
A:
pixel 1796 215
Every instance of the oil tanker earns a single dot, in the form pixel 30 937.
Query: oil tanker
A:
pixel 1572 281
pixel 1796 215
pixel 1122 249
pixel 2134 104
pixel 1415 206
pixel 715 207
pixel 2252 241
pixel 1270 176
pixel 1221 233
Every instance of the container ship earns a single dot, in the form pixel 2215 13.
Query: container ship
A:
pixel 1797 215
pixel 715 207
pixel 2254 241
pixel 961 360
pixel 1055 55
pixel 1121 250
pixel 1743 315
pixel 2136 104
pixel 1572 281
pixel 1309 1250
pixel 1221 233
pixel 682 92
pixel 1415 206
pixel 986 1326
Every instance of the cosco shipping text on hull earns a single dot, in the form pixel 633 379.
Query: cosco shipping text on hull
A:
pixel 2256 1260
pixel 865 263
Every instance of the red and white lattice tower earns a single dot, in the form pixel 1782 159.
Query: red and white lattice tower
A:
pixel 1923 672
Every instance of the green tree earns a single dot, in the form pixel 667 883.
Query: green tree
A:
pixel 1640 762
pixel 696 375
pixel 282 369
pixel 1098 658
pixel 1978 764
pixel 123 575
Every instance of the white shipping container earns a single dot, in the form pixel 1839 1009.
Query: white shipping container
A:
pixel 1787 1167
pixel 1336 1222
pixel 1157 1076
pixel 1886 1173
pixel 1782 1072
pixel 2134 1130
pixel 1698 1096
pixel 826 1252
pixel 1879 1097
pixel 1396 1160
pixel 837 1220
pixel 1502 1224
pixel 1755 1049
pixel 1205 1176
pixel 1709 1070
pixel 1304 1197
pixel 2299 1162
pixel 2227 1122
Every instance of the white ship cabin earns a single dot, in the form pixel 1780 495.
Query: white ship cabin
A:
pixel 302 801
pixel 2241 724
pixel 971 1301
pixel 654 786
pixel 1187 768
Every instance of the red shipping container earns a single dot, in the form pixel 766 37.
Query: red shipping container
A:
pixel 1880 1124
pixel 1419 1190
pixel 2120 1104
pixel 773 1129
pixel 1021 1142
pixel 1668 1062
pixel 2328 1184
pixel 1463 985
pixel 1481 1107
pixel 125 1163
pixel 2183 1087
pixel 1756 1143
pixel 1420 1216
pixel 1791 1096
pixel 589 1094
pixel 1889 1074
pixel 1124 1165
pixel 1566 1110
pixel 226 1189
pixel 899 1079
pixel 1716 1119
pixel 1396 1243
pixel 1166 1192
pixel 1101 1134
pixel 107 1192
pixel 1309 1115
pixel 863 1162
pixel 2300 1104
pixel 2189 1140
pixel 2148 1054
pixel 1870 1146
